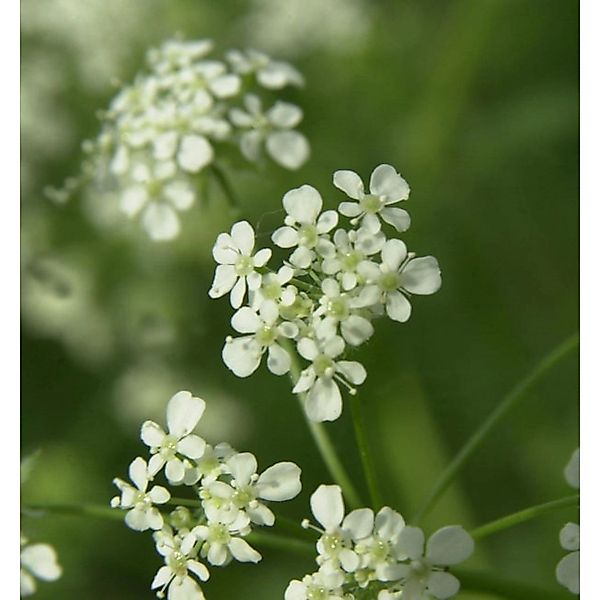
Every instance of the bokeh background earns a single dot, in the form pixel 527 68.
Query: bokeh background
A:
pixel 476 103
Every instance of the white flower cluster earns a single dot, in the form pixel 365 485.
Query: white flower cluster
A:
pixel 323 299
pixel 364 552
pixel 230 497
pixel 38 561
pixel 567 570
pixel 173 121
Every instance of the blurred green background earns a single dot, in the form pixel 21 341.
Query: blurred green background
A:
pixel 476 103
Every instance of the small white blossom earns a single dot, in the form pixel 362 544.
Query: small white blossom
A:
pixel 397 277
pixel 142 514
pixel 318 586
pixel 274 129
pixel 38 561
pixel 385 188
pixel 320 380
pixel 305 226
pixel 269 73
pixel 273 287
pixel 222 541
pixel 173 448
pixel 180 560
pixel 426 573
pixel 237 263
pixel 243 355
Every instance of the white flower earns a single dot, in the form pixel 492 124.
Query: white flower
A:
pixel 385 188
pixel 274 129
pixel 324 401
pixel 237 264
pixel 141 514
pixel 398 276
pixel 567 570
pixel 571 471
pixel 221 542
pixel 318 586
pixel 340 308
pixel 179 556
pixel 243 355
pixel 305 226
pixel 37 561
pixel 426 574
pixel 351 249
pixel 278 483
pixel 273 287
pixel 270 74
pixel 183 413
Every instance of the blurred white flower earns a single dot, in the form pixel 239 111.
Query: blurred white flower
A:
pixel 38 561
pixel 567 570
pixel 271 74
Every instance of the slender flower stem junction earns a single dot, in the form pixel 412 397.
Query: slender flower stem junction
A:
pixel 522 516
pixel 365 455
pixel 517 394
pixel 325 446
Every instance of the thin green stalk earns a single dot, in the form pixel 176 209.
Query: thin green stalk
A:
pixel 280 542
pixel 225 185
pixel 475 581
pixel 185 502
pixel 515 395
pixel 76 510
pixel 365 455
pixel 522 516
pixel 325 445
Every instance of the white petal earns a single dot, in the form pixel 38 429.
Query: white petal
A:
pixel 411 542
pixel 138 473
pixel 353 371
pixel 225 278
pixel 389 523
pixel 240 118
pixel 278 360
pixel 567 572
pixel 250 145
pixel 242 466
pixel 356 330
pixel 137 520
pixel 260 515
pixel 133 199
pixel 192 446
pixel 277 74
pixel 359 523
pixel 303 204
pixel 327 506
pixel 225 86
pixel 442 585
pixel 279 482
pixel 422 276
pixel 242 356
pixel 324 401
pixel 195 153
pixel 217 554
pixel 224 250
pixel 42 561
pixel 284 115
pixel 398 307
pixel 569 536
pixel 159 495
pixel 165 145
pixel 238 292
pixel 301 257
pixel 183 413
pixel 371 223
pixel 242 235
pixel 198 569
pixel 572 470
pixel 245 320
pixel 152 434
pixel 305 381
pixel 163 576
pixel 285 237
pixel 242 551
pixel 398 218
pixel 175 471
pixel 185 589
pixel 327 221
pixel 261 258
pixel 449 546
pixel 295 590
pixel 180 194
pixel 349 560
pixel 288 148
pixel 349 209
pixel 351 184
pixel 385 181
pixel 393 254
pixel 160 221
pixel 254 280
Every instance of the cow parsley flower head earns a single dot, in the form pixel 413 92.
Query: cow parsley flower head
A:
pixel 38 561
pixel 335 280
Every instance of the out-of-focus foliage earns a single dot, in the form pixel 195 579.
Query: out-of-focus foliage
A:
pixel 476 103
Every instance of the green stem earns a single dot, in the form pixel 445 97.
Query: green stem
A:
pixel 280 542
pixel 522 516
pixel 474 581
pixel 324 443
pixel 363 449
pixel 76 510
pixel 226 186
pixel 517 393
pixel 185 502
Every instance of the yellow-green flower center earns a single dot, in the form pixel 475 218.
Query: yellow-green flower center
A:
pixel 371 204
pixel 308 236
pixel 244 265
